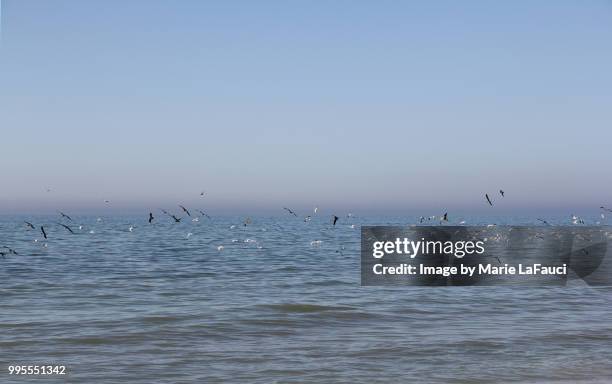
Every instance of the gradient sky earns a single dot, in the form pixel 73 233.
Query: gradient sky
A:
pixel 357 105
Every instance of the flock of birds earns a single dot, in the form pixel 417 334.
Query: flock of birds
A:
pixel 68 221
pixel 5 250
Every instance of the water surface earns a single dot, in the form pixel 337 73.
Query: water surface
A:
pixel 159 305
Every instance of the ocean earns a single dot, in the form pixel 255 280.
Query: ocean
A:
pixel 277 300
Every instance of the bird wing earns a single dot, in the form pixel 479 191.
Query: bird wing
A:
pixel 67 227
pixel 186 211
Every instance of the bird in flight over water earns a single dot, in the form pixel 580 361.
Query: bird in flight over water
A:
pixel 65 215
pixel 185 210
pixel 203 213
pixel 334 219
pixel 150 217
pixel 290 211
pixel 67 227
pixel 30 225
pixel 42 229
pixel 488 199
pixel 176 219
pixel 501 192
pixel 543 221
pixel 9 251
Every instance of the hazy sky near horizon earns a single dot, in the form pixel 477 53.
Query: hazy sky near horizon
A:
pixel 360 105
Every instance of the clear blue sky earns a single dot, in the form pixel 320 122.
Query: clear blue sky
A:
pixel 357 105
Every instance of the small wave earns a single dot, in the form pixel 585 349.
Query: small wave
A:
pixel 305 308
pixel 160 319
pixel 326 283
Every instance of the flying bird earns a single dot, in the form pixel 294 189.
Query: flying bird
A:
pixel 290 211
pixel 606 209
pixel 177 220
pixel 488 199
pixel 67 227
pixel 543 221
pixel 150 217
pixel 202 194
pixel 29 224
pixel 203 213
pixel 334 219
pixel 501 192
pixel 65 215
pixel 445 217
pixel 185 210
pixel 42 229
pixel 9 251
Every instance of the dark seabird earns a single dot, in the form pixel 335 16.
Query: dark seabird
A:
pixel 606 209
pixel 176 219
pixel 421 219
pixel 489 200
pixel 543 221
pixel 29 224
pixel 290 211
pixel 185 210
pixel 150 217
pixel 42 229
pixel 445 217
pixel 65 215
pixel 9 251
pixel 203 213
pixel 67 227
pixel 501 192
pixel 334 219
